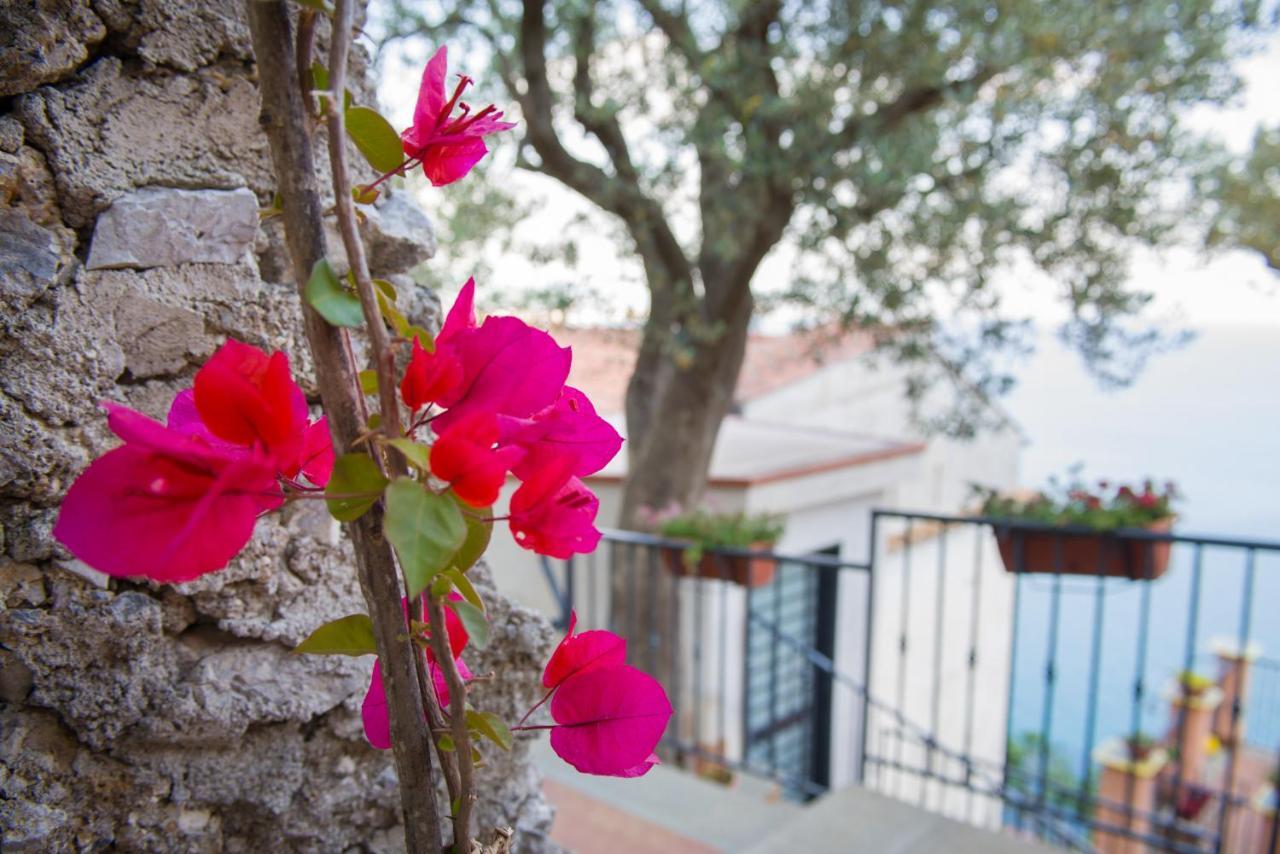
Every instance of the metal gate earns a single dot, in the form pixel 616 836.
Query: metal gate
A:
pixel 787 724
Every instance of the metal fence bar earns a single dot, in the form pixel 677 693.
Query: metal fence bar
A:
pixel 902 752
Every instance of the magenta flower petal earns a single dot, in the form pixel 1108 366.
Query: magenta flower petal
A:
pixel 509 368
pixel 553 513
pixel 608 719
pixel 317 452
pixel 461 316
pixel 431 92
pixel 641 769
pixel 451 161
pixel 139 512
pixel 578 653
pixel 569 427
pixel 373 711
pixel 442 685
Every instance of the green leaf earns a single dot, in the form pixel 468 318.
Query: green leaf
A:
pixel 386 289
pixel 491 726
pixel 473 621
pixel 369 381
pixel 426 530
pixel 319 76
pixel 375 137
pixel 326 295
pixel 389 310
pixel 479 532
pixel 351 635
pixel 365 194
pixel 375 421
pixel 354 473
pixel 465 587
pixel 445 742
pixel 425 338
pixel 419 455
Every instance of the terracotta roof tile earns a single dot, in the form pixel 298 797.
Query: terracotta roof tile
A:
pixel 603 360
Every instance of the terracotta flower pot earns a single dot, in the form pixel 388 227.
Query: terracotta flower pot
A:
pixel 1124 557
pixel 748 571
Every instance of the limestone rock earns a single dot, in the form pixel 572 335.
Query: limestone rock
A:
pixel 186 35
pixel 398 236
pixel 42 42
pixel 113 130
pixel 30 257
pixel 10 134
pixel 165 227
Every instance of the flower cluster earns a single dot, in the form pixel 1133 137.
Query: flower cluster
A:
pixel 608 716
pixel 377 721
pixel 487 401
pixel 180 499
pixel 506 408
pixel 446 145
pixel 1104 505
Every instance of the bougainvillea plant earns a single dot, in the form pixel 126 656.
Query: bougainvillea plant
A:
pixel 1104 506
pixel 478 404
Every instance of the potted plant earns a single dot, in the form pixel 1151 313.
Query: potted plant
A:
pixel 1192 702
pixel 1094 521
pixel 1130 767
pixel 704 531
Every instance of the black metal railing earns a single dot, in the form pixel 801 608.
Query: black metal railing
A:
pixel 972 666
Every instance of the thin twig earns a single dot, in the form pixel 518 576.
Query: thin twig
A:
pixel 379 343
pixel 284 117
pixel 458 718
pixel 435 717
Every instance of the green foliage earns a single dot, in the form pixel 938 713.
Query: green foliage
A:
pixel 376 139
pixel 351 635
pixel 358 482
pixel 1104 507
pixel 728 530
pixel 418 455
pixel 1062 784
pixel 490 726
pixel 902 151
pixel 479 532
pixel 369 381
pixel 335 303
pixel 473 619
pixel 425 529
pixel 1247 199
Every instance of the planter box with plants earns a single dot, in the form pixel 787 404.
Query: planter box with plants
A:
pixel 705 532
pixel 1096 529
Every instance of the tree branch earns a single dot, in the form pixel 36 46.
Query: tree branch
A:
pixel 602 122
pixel 284 119
pixel 458 721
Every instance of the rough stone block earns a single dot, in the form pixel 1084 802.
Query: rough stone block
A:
pixel 165 227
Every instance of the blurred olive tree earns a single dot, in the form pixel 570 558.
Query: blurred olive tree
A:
pixel 898 152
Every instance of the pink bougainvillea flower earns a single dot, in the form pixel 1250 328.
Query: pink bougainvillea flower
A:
pixel 464 456
pixel 579 653
pixel 608 720
pixel 569 427
pixel 508 368
pixel 165 506
pixel 448 145
pixel 553 513
pixel 641 769
pixel 316 460
pixel 373 711
pixel 429 377
pixel 246 397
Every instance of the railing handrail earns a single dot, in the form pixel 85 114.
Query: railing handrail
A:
pixel 820 561
pixel 1005 523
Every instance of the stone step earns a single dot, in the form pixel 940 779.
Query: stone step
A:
pixel 688 813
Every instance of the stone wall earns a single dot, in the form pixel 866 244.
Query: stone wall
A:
pixel 174 718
